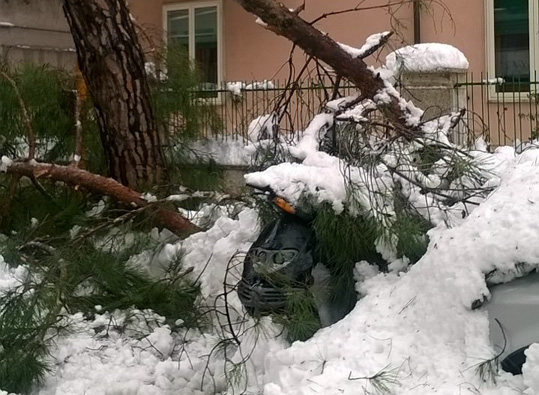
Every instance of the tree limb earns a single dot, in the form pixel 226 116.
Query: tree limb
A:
pixel 162 217
pixel 283 22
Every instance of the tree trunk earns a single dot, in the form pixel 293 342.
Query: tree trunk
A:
pixel 111 60
pixel 285 22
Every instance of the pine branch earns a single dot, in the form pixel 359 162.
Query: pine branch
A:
pixel 75 177
pixel 283 22
pixel 25 116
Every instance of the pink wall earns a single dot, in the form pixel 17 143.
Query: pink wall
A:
pixel 462 25
pixel 255 53
pixel 251 52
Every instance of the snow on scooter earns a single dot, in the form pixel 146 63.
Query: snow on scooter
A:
pixel 282 263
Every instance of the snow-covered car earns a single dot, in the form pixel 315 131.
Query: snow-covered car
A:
pixel 513 311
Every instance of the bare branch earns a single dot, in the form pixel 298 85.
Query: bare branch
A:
pixel 300 8
pixel 358 8
pixel 374 48
pixel 78 130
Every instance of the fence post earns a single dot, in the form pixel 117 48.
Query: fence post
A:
pixel 437 93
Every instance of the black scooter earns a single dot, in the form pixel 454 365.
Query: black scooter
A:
pixel 282 263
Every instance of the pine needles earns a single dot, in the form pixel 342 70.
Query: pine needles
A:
pixel 343 240
pixel 379 383
pixel 300 317
pixel 66 275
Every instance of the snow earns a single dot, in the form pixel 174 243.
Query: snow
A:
pixel 5 162
pixel 149 197
pixel 416 328
pixel 427 58
pixel 419 326
pixel 494 81
pixel 260 22
pixel 10 277
pixel 237 87
pixel 261 128
pixel 371 42
pixel 226 152
pixel 319 174
pixel 530 371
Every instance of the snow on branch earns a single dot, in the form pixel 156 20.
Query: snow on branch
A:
pixel 372 44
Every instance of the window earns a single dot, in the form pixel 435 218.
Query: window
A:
pixel 512 46
pixel 197 28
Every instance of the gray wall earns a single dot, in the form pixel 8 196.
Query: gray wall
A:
pixel 35 30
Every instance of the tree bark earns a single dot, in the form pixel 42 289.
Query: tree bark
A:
pixel 287 23
pixel 75 177
pixel 111 60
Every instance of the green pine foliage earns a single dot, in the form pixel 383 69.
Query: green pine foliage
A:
pixel 46 93
pixel 70 272
pixel 300 317
pixel 68 275
pixel 343 240
pixel 49 99
pixel 200 174
pixel 185 114
pixel 179 105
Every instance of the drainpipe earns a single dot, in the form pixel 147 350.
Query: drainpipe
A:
pixel 417 21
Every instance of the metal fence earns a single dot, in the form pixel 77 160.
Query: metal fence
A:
pixel 505 112
pixel 236 105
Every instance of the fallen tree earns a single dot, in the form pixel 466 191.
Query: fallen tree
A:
pixel 112 63
pixel 285 22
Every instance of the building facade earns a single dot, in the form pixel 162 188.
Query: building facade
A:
pixel 500 38
pixel 245 50
pixel 35 31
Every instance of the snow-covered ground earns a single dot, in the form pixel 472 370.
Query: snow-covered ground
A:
pixel 411 332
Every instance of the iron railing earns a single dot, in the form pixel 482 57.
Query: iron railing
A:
pixel 504 113
pixel 235 110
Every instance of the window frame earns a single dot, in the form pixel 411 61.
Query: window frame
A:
pixel 190 7
pixel 533 11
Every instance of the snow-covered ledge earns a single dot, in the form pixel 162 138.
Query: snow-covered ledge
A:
pixel 428 74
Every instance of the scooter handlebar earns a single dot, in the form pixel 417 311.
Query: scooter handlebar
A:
pixel 262 189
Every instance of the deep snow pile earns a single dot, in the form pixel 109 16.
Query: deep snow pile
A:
pixel 414 331
pixel 418 327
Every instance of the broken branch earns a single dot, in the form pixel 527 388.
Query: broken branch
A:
pixel 162 217
pixel 286 23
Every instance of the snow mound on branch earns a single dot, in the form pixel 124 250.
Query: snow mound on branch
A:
pixel 371 42
pixel 427 58
pixel 417 330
